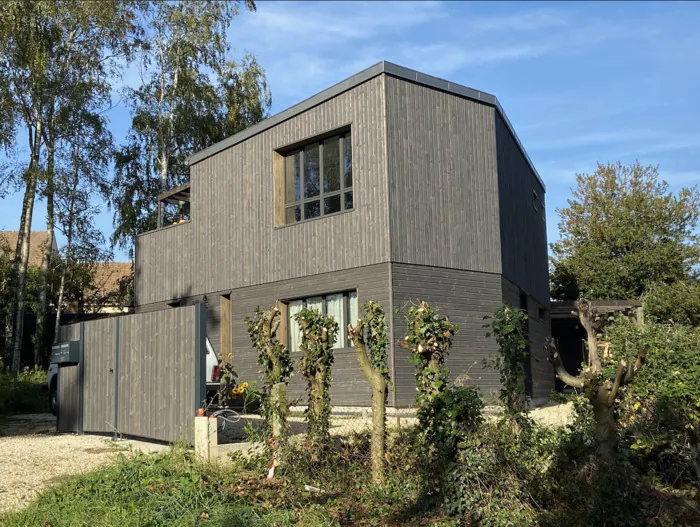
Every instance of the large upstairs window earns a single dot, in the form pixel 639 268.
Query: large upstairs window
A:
pixel 318 179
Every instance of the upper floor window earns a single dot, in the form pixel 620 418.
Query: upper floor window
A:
pixel 341 306
pixel 318 179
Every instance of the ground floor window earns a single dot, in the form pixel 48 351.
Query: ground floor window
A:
pixel 341 306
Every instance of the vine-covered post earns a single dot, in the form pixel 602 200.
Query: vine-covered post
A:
pixel 510 330
pixel 375 367
pixel 429 339
pixel 276 364
pixel 318 335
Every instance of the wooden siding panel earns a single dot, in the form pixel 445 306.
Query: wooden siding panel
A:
pixel 443 186
pixel 99 359
pixel 463 296
pixel 349 387
pixel 523 231
pixel 232 242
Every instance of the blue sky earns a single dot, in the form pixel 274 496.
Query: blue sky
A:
pixel 581 82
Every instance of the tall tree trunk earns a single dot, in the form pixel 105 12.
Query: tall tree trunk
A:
pixel 605 424
pixel 378 428
pixel 40 340
pixel 22 250
pixel 68 256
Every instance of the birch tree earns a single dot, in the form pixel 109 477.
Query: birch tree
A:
pixel 192 95
pixel 46 48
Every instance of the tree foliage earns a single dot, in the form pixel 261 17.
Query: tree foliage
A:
pixel 676 303
pixel 192 95
pixel 509 327
pixel 429 339
pixel 623 229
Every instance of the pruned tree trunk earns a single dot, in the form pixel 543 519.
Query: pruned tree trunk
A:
pixel 40 340
pixel 21 262
pixel 379 387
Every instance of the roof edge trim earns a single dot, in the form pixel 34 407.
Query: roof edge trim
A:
pixel 382 67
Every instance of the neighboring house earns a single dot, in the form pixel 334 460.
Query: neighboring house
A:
pixel 101 297
pixel 390 186
pixel 37 245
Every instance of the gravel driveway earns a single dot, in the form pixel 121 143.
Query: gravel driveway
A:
pixel 33 456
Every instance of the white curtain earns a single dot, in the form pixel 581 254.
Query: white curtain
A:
pixel 294 330
pixel 353 311
pixel 334 308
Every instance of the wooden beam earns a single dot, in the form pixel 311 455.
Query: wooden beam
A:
pixel 226 344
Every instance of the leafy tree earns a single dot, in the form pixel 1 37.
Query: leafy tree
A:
pixel 192 96
pixel 47 48
pixel 509 327
pixel 677 303
pixel 371 346
pixel 622 231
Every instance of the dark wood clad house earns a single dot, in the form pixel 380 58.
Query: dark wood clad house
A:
pixel 390 186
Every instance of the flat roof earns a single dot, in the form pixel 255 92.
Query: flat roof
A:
pixel 380 68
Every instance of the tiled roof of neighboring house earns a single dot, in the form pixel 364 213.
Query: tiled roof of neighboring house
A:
pixel 37 243
pixel 108 274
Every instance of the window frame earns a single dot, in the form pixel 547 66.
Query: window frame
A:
pixel 342 135
pixel 346 343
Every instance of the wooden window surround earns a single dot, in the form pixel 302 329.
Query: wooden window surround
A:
pixel 314 178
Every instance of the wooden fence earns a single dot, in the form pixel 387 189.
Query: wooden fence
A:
pixel 139 375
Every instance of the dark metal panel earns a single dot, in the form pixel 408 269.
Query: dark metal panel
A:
pixel 68 398
pixel 463 296
pixel 523 232
pixel 232 242
pixel 443 185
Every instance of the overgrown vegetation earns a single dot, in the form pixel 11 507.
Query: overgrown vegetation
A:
pixel 21 393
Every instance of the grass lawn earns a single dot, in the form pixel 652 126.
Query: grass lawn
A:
pixel 22 393
pixel 171 489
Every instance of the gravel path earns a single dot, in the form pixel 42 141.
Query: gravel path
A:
pixel 31 462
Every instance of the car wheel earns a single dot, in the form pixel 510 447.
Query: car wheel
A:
pixel 53 398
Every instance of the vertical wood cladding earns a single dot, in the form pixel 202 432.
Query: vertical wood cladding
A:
pixel 68 398
pixel 349 386
pixel 465 297
pixel 99 375
pixel 443 187
pixel 523 231
pixel 232 241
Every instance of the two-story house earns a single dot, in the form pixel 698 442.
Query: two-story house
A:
pixel 390 186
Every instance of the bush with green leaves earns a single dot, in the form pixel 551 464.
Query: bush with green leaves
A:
pixel 429 339
pixel 660 412
pixel 318 335
pixel 509 327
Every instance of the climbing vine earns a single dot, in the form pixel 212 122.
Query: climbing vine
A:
pixel 276 364
pixel 429 339
pixel 509 327
pixel 377 340
pixel 319 333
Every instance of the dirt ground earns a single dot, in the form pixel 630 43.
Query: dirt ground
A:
pixel 33 456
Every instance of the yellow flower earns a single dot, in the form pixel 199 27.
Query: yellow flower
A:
pixel 244 385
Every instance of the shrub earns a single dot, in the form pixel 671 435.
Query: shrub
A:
pixel 21 392
pixel 676 303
